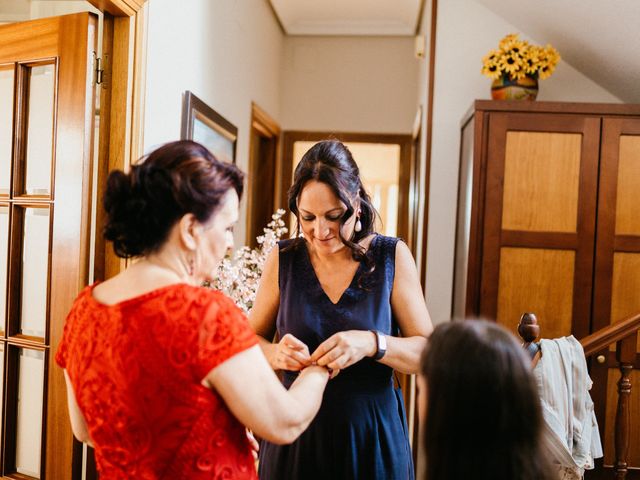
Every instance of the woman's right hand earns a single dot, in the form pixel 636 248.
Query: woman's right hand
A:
pixel 290 354
pixel 257 399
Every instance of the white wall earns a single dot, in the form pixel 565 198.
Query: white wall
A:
pixel 228 53
pixel 349 84
pixel 466 31
pixel 422 104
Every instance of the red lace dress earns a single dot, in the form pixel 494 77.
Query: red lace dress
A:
pixel 136 369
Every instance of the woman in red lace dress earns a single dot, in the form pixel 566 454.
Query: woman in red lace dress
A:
pixel 163 375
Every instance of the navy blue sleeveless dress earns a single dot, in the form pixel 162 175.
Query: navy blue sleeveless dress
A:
pixel 360 431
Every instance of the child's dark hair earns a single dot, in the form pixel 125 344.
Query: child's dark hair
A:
pixel 484 420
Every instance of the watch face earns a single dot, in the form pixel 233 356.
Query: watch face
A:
pixel 382 342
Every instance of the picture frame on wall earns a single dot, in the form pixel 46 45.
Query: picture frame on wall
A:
pixel 204 125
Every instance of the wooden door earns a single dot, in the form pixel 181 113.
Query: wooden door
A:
pixel 539 220
pixel 46 101
pixel 262 188
pixel 401 176
pixel 617 272
pixel 404 212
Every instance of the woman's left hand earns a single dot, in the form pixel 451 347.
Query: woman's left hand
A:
pixel 344 349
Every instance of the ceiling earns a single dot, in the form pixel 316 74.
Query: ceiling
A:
pixel 14 10
pixel 348 17
pixel 599 38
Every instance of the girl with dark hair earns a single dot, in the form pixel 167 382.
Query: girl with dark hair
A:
pixel 479 406
pixel 161 373
pixel 347 298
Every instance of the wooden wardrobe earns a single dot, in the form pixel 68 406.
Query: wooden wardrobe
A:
pixel 549 222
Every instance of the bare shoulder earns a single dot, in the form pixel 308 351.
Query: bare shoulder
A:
pixel 116 289
pixel 272 261
pixel 265 308
pixel 403 254
pixel 269 280
pixel 405 265
pixel 407 297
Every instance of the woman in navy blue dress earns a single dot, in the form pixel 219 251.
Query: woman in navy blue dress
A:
pixel 347 298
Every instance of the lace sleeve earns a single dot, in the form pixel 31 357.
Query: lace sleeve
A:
pixel 223 332
pixel 62 352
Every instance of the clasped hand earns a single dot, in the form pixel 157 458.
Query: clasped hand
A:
pixel 339 351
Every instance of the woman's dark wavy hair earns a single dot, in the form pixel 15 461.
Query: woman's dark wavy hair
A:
pixel 178 178
pixel 484 420
pixel 331 163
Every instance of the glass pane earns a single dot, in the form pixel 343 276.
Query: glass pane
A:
pixel 40 130
pixel 35 261
pixel 6 130
pixel 4 255
pixel 29 421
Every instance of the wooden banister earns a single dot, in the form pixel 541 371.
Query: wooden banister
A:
pixel 624 334
pixel 625 355
pixel 613 333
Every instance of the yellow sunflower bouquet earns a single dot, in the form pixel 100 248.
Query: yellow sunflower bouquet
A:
pixel 516 59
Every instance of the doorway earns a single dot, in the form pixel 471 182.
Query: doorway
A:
pixel 384 161
pixel 379 165
pixel 45 156
pixel 262 184
pixel 48 72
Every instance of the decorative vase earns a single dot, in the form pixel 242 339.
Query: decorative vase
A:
pixel 506 88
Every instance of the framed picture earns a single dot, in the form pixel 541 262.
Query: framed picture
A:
pixel 204 125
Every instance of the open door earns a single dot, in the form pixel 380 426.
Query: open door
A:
pixel 46 111
pixel 262 181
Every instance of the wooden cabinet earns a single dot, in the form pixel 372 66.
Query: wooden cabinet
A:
pixel 549 222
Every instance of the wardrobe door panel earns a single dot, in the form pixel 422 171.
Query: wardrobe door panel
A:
pixel 627 199
pixel 537 280
pixel 541 181
pixel 618 246
pixel 539 220
pixel 625 287
pixel 617 268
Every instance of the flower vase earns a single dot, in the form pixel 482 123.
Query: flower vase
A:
pixel 507 88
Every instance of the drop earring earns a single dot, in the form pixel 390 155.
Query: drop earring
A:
pixel 191 267
pixel 358 227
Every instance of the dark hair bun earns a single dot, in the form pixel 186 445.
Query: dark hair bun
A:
pixel 178 178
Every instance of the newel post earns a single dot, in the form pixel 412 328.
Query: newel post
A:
pixel 626 355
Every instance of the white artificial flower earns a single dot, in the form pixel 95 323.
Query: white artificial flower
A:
pixel 239 274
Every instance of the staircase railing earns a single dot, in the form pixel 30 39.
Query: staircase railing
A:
pixel 624 334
